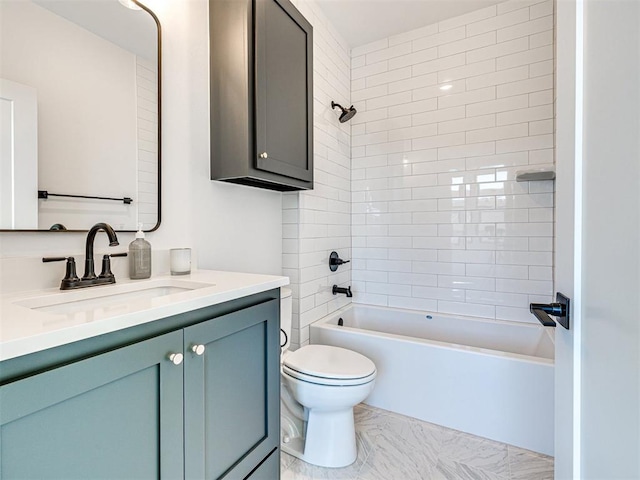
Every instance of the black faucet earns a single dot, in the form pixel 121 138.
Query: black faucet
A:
pixel 346 291
pixel 89 279
pixel 89 269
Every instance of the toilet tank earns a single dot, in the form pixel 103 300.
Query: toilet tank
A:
pixel 286 305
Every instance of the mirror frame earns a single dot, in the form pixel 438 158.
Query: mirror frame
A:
pixel 159 59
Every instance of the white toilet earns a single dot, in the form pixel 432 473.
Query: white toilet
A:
pixel 320 385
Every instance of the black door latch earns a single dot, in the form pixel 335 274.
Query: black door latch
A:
pixel 560 309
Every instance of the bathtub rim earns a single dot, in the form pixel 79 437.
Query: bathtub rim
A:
pixel 324 324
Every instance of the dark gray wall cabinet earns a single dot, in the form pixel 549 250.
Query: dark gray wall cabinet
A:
pixel 132 412
pixel 261 94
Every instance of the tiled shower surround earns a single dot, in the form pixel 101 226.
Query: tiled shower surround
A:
pixel 419 189
pixel 317 221
pixel 447 115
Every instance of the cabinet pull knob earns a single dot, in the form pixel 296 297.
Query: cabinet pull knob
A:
pixel 176 358
pixel 198 349
pixel 264 155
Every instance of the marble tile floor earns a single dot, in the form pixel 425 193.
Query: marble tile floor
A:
pixel 392 446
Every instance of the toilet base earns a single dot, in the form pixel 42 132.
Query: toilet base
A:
pixel 329 440
pixel 317 419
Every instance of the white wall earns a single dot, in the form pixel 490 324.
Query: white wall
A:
pixel 230 227
pixel 316 222
pixel 439 222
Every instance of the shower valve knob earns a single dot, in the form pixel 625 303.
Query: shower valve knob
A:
pixel 335 261
pixel 264 155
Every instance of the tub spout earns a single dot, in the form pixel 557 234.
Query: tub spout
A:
pixel 346 291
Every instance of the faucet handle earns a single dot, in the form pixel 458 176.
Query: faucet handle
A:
pixel 55 259
pixel 106 264
pixel 70 274
pixel 71 277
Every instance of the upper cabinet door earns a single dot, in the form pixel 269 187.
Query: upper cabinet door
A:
pixel 284 90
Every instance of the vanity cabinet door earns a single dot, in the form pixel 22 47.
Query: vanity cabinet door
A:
pixel 109 416
pixel 284 90
pixel 269 469
pixel 232 396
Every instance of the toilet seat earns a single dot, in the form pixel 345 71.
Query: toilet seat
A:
pixel 329 365
pixel 325 381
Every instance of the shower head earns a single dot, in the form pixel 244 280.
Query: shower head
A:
pixel 347 113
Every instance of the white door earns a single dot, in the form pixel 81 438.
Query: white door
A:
pixel 598 239
pixel 18 156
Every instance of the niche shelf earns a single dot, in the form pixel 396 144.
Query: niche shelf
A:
pixel 536 174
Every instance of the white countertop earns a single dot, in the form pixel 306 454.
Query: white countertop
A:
pixel 38 320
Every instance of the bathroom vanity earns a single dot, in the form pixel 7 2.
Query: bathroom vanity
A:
pixel 162 378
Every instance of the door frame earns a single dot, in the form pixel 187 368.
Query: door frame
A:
pixel 19 187
pixel 568 251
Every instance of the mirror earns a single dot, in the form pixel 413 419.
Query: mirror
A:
pixel 79 115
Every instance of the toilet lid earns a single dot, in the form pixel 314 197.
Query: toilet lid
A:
pixel 325 361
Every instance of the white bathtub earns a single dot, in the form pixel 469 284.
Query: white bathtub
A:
pixel 491 378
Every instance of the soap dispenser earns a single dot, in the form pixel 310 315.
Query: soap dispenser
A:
pixel 139 257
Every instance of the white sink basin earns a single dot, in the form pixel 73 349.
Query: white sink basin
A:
pixel 95 303
pixel 109 300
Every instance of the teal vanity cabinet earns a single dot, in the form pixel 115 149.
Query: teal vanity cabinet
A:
pixel 109 416
pixel 191 396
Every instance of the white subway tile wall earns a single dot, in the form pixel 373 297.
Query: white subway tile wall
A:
pixel 447 115
pixel 318 221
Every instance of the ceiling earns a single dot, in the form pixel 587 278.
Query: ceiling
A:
pixel 364 21
pixel 133 30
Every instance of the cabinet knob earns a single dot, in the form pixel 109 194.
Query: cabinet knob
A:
pixel 264 155
pixel 176 358
pixel 197 349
